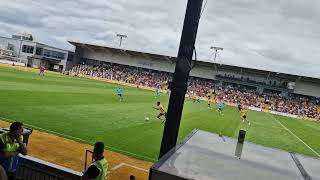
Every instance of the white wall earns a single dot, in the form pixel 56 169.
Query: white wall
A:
pixel 307 88
pixel 202 71
pixel 141 61
pixel 16 46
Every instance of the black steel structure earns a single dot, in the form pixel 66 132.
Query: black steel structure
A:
pixel 181 74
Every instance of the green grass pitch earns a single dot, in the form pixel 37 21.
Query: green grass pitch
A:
pixel 89 111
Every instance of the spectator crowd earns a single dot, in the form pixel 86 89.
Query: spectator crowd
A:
pixel 291 104
pixel 122 73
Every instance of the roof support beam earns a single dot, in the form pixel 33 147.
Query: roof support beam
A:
pixel 181 75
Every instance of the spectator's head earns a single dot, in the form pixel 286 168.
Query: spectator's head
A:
pixel 16 129
pixel 98 150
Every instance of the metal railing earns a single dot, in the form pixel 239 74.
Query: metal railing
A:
pixel 86 160
pixel 32 173
pixel 31 168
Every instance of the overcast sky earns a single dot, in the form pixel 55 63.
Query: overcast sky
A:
pixel 277 35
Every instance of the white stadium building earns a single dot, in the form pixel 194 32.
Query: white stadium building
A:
pixel 22 49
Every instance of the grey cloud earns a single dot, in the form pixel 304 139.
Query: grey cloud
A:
pixel 17 15
pixel 267 34
pixel 297 9
pixel 277 54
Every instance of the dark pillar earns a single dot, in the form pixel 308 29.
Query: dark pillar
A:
pixel 180 78
pixel 76 57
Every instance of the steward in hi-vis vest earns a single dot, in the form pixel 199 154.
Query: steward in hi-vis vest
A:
pixel 99 168
pixel 11 144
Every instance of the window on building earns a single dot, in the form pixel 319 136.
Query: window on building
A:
pixel 38 51
pixel 10 47
pixel 70 56
pixel 16 37
pixel 24 48
pixel 53 54
pixel 46 53
pixel 27 49
pixel 60 55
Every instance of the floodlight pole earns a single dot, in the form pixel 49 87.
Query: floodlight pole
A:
pixel 180 78
pixel 121 36
pixel 216 49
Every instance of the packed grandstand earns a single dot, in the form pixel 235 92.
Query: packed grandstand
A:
pixel 294 104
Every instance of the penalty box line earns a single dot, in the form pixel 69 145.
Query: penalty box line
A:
pixel 81 140
pixel 315 152
pixel 129 165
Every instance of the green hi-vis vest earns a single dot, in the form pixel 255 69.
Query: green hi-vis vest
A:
pixel 10 146
pixel 102 165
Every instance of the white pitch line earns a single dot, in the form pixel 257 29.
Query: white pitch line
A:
pixel 295 136
pixel 81 140
pixel 129 165
pixel 117 166
pixel 262 125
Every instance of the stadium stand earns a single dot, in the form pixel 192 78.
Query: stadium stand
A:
pixel 303 106
pixel 123 73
